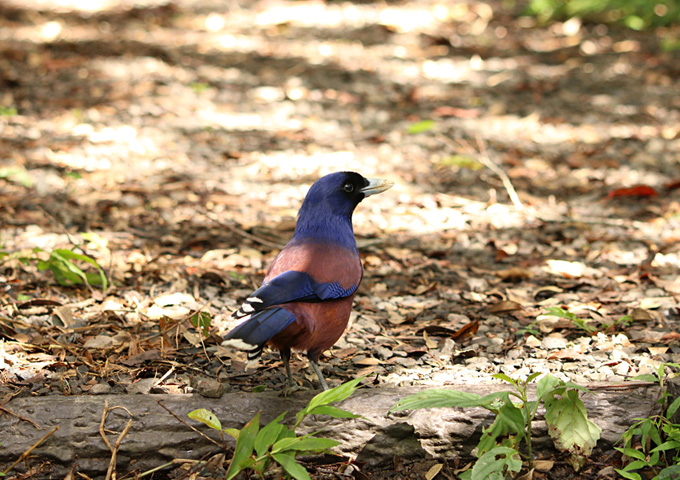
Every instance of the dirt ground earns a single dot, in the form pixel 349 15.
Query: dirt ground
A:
pixel 173 142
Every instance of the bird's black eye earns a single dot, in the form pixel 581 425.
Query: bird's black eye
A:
pixel 348 187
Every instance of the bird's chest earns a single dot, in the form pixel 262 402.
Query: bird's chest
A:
pixel 324 263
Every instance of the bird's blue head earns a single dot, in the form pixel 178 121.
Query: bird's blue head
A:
pixel 326 213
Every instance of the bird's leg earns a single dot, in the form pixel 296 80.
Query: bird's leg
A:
pixel 316 368
pixel 285 357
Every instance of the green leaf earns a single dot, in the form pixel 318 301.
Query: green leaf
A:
pixel 646 377
pixel 671 445
pixel 268 435
pixel 304 444
pixel 334 412
pixel 244 448
pixel 234 432
pixel 671 472
pixel 569 427
pixel 437 398
pixel 493 464
pixel 420 127
pixel 207 417
pixel 545 385
pixel 291 467
pixel 508 422
pixel 628 475
pixel 505 378
pixel 461 161
pixel 673 408
pixel 66 255
pixel 337 394
pixel 202 320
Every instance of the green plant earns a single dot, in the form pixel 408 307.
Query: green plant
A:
pixel 584 324
pixel 16 175
pixel 7 111
pixel 634 14
pixel 257 447
pixel 498 450
pixel 201 320
pixel 63 265
pixel 659 437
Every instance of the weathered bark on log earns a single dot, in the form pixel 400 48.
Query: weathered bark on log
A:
pixel 156 437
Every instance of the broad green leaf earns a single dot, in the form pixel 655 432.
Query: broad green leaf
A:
pixel 504 377
pixel 569 427
pixel 420 127
pixel 334 412
pixel 437 398
pixel 309 443
pixel 244 448
pixel 632 453
pixel 636 465
pixel 508 422
pixel 673 408
pixel 207 417
pixel 234 432
pixel 545 385
pixel 493 464
pixel 291 467
pixel 268 435
pixel 336 394
pixel 628 475
pixel 645 377
pixel 202 320
pixel 669 473
pixel 284 444
pixel 67 255
pixel 671 445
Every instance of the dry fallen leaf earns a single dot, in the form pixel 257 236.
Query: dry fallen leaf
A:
pixel 434 471
pixel 505 306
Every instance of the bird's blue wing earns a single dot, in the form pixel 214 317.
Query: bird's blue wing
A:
pixel 258 329
pixel 289 287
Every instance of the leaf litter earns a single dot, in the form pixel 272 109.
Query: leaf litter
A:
pixel 181 178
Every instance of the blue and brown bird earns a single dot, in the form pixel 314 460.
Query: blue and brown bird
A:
pixel 306 298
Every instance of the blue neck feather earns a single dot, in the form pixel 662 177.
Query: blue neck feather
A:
pixel 313 224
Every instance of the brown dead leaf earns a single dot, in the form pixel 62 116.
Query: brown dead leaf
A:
pixel 641 315
pixel 343 353
pixel 514 274
pixel 367 361
pixel 565 354
pixel 543 465
pixel 670 337
pixel 504 306
pixel 466 331
pixel 434 471
pixel 658 350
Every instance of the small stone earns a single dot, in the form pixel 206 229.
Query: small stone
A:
pixel 210 388
pixel 143 386
pixel 554 341
pixel 100 389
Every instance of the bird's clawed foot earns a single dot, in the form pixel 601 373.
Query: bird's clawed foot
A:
pixel 291 389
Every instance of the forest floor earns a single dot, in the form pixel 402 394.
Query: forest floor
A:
pixel 536 167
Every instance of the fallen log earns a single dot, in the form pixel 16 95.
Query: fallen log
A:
pixel 156 437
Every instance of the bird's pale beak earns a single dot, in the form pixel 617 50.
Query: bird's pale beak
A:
pixel 376 185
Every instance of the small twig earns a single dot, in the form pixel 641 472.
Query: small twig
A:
pixel 190 426
pixel 488 163
pixel 10 412
pixel 28 452
pixel 110 472
pixel 243 233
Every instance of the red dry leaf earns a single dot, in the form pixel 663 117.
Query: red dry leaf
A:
pixel 636 191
